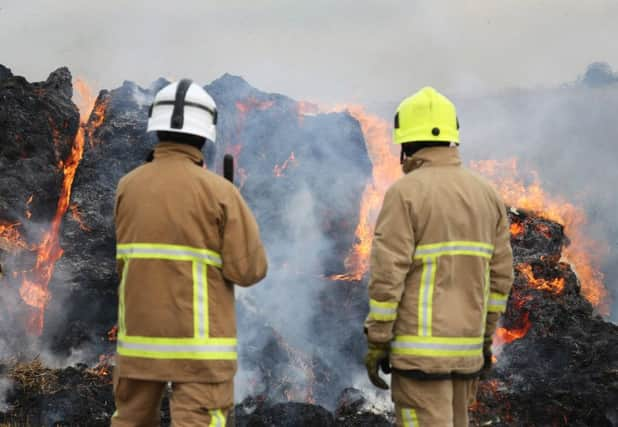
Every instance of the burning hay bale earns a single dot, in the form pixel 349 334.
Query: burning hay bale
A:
pixel 556 360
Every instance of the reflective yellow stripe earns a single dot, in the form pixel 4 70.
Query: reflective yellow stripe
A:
pixel 481 249
pixel 497 302
pixel 425 298
pixel 409 417
pixel 170 252
pixel 200 346
pixel 429 255
pixel 382 311
pixel 122 327
pixel 217 419
pixel 437 346
pixel 178 348
pixel 486 289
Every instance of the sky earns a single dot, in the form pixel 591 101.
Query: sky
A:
pixel 371 52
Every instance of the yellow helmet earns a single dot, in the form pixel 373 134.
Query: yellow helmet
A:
pixel 426 116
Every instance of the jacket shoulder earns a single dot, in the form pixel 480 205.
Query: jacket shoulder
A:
pixel 130 176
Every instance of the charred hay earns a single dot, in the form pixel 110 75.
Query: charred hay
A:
pixel 557 364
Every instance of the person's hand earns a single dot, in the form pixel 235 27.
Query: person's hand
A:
pixel 377 356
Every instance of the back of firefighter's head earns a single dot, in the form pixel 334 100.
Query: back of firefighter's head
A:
pixel 425 119
pixel 184 113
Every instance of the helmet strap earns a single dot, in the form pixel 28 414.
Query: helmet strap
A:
pixel 178 114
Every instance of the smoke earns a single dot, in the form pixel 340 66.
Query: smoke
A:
pixel 568 135
pixel 5 386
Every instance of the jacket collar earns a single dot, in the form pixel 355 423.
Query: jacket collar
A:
pixel 165 150
pixel 432 156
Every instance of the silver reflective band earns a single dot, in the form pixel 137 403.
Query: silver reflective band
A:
pixel 384 311
pixel 498 303
pixel 408 419
pixel 201 286
pixel 427 291
pixel 436 346
pixel 178 348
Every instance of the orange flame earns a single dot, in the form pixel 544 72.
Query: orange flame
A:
pixel 555 285
pixel 305 108
pixel 517 229
pixel 34 288
pixel 96 119
pixel 584 254
pixel 11 239
pixel 279 169
pixel 251 103
pixel 386 170
pixel 77 216
pixel 504 335
pixel 28 202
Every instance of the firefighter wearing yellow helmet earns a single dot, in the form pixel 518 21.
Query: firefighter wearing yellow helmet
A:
pixel 441 271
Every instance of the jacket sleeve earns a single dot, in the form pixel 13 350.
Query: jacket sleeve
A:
pixel 500 273
pixel 391 260
pixel 243 254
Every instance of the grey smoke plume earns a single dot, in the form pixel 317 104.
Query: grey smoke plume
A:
pixel 569 135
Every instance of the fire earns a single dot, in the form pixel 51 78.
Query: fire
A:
pixel 77 216
pixel 504 335
pixel 11 239
pixel 34 288
pixel 583 253
pixel 28 202
pixel 305 108
pixel 517 229
pixel 96 119
pixel 251 103
pixel 555 285
pixel 279 169
pixel 386 170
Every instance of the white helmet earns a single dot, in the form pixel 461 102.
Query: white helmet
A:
pixel 184 107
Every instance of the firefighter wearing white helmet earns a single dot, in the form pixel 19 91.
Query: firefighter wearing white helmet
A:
pixel 184 107
pixel 184 236
pixel 441 271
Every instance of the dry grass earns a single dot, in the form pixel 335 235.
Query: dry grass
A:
pixel 33 376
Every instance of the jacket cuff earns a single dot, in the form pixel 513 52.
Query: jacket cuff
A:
pixel 379 332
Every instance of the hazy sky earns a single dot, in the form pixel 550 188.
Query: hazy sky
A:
pixel 370 51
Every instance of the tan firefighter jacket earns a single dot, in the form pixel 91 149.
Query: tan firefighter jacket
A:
pixel 441 266
pixel 184 237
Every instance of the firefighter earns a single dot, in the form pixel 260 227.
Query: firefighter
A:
pixel 185 236
pixel 441 271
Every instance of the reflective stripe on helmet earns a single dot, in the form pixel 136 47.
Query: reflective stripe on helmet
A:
pixel 437 346
pixel 409 417
pixel 200 346
pixel 497 302
pixel 382 311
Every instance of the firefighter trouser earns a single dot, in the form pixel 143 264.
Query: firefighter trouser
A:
pixel 138 403
pixel 432 403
